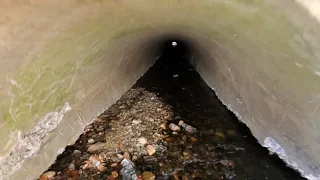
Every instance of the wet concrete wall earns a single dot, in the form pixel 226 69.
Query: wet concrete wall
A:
pixel 64 62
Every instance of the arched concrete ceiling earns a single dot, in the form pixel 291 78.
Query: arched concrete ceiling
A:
pixel 64 62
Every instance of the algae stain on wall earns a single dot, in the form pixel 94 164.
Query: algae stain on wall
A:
pixel 49 80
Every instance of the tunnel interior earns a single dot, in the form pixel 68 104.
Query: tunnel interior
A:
pixel 170 91
pixel 65 62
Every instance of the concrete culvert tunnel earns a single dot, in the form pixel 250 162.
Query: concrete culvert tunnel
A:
pixel 63 63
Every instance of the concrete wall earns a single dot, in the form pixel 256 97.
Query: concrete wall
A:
pixel 64 62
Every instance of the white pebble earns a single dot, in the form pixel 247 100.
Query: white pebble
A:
pixel 174 127
pixel 135 121
pixel 72 167
pixel 142 140
pixel 90 141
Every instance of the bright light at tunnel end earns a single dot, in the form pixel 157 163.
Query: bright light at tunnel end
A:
pixel 174 44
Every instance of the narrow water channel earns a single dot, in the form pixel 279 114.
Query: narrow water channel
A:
pixel 171 125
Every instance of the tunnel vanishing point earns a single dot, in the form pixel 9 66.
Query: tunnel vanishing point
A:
pixel 64 62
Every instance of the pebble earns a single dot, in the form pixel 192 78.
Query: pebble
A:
pixel 163 126
pixel 142 140
pixel 119 156
pixel 134 157
pixel 231 133
pixel 90 141
pixel 184 138
pixel 77 152
pixel 128 170
pixel 193 139
pixel 114 164
pixel 72 167
pixel 219 136
pixel 95 147
pixel 100 128
pixel 170 139
pixel 174 127
pixel 88 128
pixel 150 150
pixel 47 175
pixel 94 159
pixel 135 121
pixel 97 163
pixel 126 155
pixel 147 175
pixel 150 159
pixel 187 127
pixel 114 174
pixel 186 152
pixel 116 158
pixel 85 166
pixel 150 119
pixel 228 163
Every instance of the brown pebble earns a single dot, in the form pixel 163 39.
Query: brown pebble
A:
pixel 170 139
pixel 150 150
pixel 114 164
pixel 100 119
pixel 159 109
pixel 147 175
pixel 95 147
pixel 114 174
pixel 126 155
pixel 111 124
pixel 192 139
pixel 74 174
pixel 47 175
pixel 121 145
pixel 163 126
pixel 110 177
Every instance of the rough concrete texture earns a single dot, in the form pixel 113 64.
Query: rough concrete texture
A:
pixel 64 62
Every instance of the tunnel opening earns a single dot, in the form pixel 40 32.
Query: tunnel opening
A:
pixel 171 125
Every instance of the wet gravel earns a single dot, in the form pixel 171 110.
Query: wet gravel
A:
pixel 169 125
